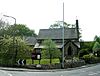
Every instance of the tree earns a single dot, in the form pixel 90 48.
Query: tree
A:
pixel 17 30
pixel 97 39
pixel 59 24
pixel 7 52
pixel 83 52
pixel 3 27
pixel 50 50
pixel 20 30
pixel 96 48
pixel 87 45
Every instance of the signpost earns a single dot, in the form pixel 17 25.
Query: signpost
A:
pixel 21 62
pixel 36 56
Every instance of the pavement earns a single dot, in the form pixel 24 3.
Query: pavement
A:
pixel 51 70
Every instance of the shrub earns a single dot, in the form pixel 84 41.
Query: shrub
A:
pixel 83 52
pixel 74 63
pixel 90 58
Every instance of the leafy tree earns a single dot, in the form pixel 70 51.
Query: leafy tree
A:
pixel 50 50
pixel 87 45
pixel 58 24
pixel 8 51
pixel 83 52
pixel 17 30
pixel 96 48
pixel 97 39
pixel 20 30
pixel 3 27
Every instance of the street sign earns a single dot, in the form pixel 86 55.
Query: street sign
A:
pixel 36 56
pixel 33 56
pixel 21 62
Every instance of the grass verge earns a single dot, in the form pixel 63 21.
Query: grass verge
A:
pixel 42 61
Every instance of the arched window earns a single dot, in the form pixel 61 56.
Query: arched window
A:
pixel 69 50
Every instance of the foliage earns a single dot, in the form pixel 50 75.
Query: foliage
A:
pixel 97 39
pixel 58 24
pixel 50 50
pixel 23 50
pixel 8 49
pixel 87 45
pixel 15 30
pixel 20 30
pixel 90 58
pixel 96 49
pixel 3 27
pixel 83 52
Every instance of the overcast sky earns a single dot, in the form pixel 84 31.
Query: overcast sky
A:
pixel 40 14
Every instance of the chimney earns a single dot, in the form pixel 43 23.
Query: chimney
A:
pixel 77 28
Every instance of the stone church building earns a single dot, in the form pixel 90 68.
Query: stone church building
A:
pixel 71 39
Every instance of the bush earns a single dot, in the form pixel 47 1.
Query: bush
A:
pixel 74 63
pixel 90 58
pixel 83 52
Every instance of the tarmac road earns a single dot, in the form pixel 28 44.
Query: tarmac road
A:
pixel 87 71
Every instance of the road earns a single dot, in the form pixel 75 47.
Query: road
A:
pixel 89 71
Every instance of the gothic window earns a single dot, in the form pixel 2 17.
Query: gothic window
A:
pixel 69 50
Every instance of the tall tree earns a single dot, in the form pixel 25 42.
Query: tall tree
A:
pixel 8 52
pixel 97 39
pixel 20 30
pixel 3 27
pixel 59 24
pixel 50 50
pixel 96 47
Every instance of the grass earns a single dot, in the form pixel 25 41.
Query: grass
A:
pixel 42 61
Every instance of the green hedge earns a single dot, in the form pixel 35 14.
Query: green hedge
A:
pixel 91 59
pixel 83 52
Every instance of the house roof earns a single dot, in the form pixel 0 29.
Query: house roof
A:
pixel 31 40
pixel 69 33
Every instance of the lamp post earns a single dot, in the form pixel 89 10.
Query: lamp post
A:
pixel 13 35
pixel 63 40
pixel 12 18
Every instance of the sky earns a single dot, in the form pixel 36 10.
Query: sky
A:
pixel 40 14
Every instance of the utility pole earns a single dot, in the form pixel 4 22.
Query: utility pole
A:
pixel 63 40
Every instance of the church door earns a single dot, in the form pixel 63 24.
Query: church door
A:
pixel 69 51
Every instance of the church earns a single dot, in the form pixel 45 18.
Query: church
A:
pixel 71 39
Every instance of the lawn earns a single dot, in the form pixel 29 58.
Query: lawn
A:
pixel 42 61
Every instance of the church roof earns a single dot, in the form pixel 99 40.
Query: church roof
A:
pixel 31 40
pixel 69 33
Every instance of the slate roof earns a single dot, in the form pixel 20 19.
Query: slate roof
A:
pixel 69 33
pixel 31 40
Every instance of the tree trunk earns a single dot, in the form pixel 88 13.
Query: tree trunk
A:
pixel 50 58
